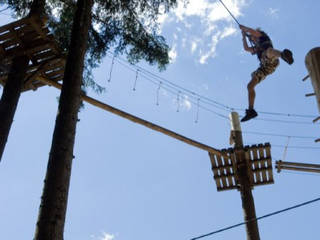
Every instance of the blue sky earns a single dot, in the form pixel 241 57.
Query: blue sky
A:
pixel 129 182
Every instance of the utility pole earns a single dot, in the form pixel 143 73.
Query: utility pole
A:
pixel 244 180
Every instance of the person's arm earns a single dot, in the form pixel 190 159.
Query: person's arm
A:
pixel 245 44
pixel 251 31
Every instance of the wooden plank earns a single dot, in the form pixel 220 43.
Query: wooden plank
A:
pixel 269 160
pixel 44 54
pixel 55 74
pixel 221 172
pixel 18 51
pixel 15 24
pixel 10 43
pixel 263 162
pixel 6 36
pixel 254 151
pixel 228 168
pixel 38 24
pixel 234 167
pixel 215 170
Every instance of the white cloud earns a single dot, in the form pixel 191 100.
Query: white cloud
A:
pixel 194 45
pixel 173 54
pixel 273 12
pixel 107 236
pixel 186 104
pixel 228 31
pixel 206 20
pixel 181 102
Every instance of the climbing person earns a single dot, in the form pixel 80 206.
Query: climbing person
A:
pixel 269 61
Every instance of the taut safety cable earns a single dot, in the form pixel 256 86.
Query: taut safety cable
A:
pixel 259 218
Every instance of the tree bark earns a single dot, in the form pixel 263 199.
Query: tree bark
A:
pixel 12 89
pixel 10 97
pixel 52 213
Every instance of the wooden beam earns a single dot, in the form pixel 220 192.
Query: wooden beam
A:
pixel 135 119
pixel 303 167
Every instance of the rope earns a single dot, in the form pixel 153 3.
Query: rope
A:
pixel 234 18
pixel 230 12
pixel 255 219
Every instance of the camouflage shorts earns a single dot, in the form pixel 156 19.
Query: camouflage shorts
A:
pixel 267 66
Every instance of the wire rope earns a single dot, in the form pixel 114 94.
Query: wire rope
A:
pixel 258 218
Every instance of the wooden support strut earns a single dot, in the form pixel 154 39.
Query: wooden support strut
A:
pixel 136 119
pixel 303 167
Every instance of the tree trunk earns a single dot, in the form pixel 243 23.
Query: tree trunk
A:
pixel 12 89
pixel 51 219
pixel 10 97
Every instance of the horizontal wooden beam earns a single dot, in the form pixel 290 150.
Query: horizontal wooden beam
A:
pixel 303 167
pixel 138 120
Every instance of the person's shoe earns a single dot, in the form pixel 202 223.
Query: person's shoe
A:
pixel 286 55
pixel 250 113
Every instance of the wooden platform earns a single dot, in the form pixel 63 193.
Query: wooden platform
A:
pixel 31 36
pixel 258 158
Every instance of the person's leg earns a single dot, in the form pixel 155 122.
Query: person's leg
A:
pixel 257 76
pixel 251 92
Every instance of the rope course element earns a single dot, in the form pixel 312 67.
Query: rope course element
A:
pixel 111 68
pixel 178 101
pixel 135 80
pixel 297 147
pixel 277 135
pixel 258 218
pixel 197 116
pixel 193 96
pixel 285 150
pixel 283 121
pixel 158 91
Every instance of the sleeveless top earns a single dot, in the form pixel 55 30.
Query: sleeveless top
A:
pixel 263 43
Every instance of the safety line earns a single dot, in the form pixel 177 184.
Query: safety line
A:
pixel 256 219
pixel 277 135
pixel 229 12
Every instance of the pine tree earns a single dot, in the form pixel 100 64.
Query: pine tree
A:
pixel 130 28
pixel 54 199
pixel 12 89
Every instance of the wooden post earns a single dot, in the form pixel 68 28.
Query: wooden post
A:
pixel 244 180
pixel 312 62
